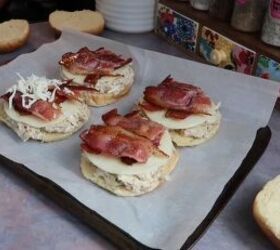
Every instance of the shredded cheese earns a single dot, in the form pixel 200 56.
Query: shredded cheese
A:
pixel 34 88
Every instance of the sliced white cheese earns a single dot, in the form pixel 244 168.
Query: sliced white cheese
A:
pixel 116 166
pixel 68 108
pixel 189 122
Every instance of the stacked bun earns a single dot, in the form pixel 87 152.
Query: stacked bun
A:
pixel 129 155
pixel 185 110
pixel 104 76
pixel 42 109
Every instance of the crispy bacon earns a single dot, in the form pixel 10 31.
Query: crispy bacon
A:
pixel 41 109
pixel 169 98
pixel 177 114
pixel 135 123
pixel 74 88
pixel 179 99
pixel 45 110
pixel 171 94
pixel 97 62
pixel 201 104
pixel 170 82
pixel 70 92
pixel 117 142
pixel 93 78
pixel 17 103
pixel 149 106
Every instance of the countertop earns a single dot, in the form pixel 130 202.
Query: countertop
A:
pixel 29 220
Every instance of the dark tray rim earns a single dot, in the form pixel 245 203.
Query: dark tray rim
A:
pixel 117 236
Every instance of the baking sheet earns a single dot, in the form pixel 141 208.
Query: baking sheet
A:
pixel 166 217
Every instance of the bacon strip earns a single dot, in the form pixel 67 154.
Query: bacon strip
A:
pixel 97 62
pixel 177 114
pixel 149 106
pixel 40 109
pixel 135 123
pixel 179 99
pixel 44 110
pixel 93 78
pixel 170 82
pixel 117 142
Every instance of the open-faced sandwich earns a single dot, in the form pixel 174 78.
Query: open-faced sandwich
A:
pixel 42 109
pixel 109 76
pixel 189 114
pixel 129 155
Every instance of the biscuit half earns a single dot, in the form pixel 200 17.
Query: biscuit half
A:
pixel 266 210
pixel 115 185
pixel 14 34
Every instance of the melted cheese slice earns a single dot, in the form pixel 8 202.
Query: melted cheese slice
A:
pixel 67 108
pixel 189 122
pixel 116 166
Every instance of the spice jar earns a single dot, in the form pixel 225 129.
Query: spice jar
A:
pixel 271 26
pixel 200 4
pixel 221 9
pixel 248 15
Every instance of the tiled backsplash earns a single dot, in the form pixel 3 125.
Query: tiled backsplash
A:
pixel 214 47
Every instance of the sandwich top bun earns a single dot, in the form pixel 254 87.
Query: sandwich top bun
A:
pixel 128 156
pixel 185 110
pixel 42 109
pixel 14 34
pixel 266 210
pixel 104 76
pixel 84 20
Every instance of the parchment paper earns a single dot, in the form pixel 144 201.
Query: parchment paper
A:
pixel 166 217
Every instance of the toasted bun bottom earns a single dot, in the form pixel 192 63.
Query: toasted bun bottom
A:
pixel 37 133
pixel 182 140
pixel 109 182
pixel 14 34
pixel 266 209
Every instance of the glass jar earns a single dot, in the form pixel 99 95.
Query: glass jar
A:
pixel 200 4
pixel 271 26
pixel 221 9
pixel 248 15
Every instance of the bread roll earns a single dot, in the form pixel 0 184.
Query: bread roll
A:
pixel 266 210
pixel 110 88
pixel 85 20
pixel 13 34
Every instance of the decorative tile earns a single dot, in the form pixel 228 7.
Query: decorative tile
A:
pixel 267 68
pixel 177 28
pixel 225 53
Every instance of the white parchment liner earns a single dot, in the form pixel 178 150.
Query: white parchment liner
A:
pixel 166 217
